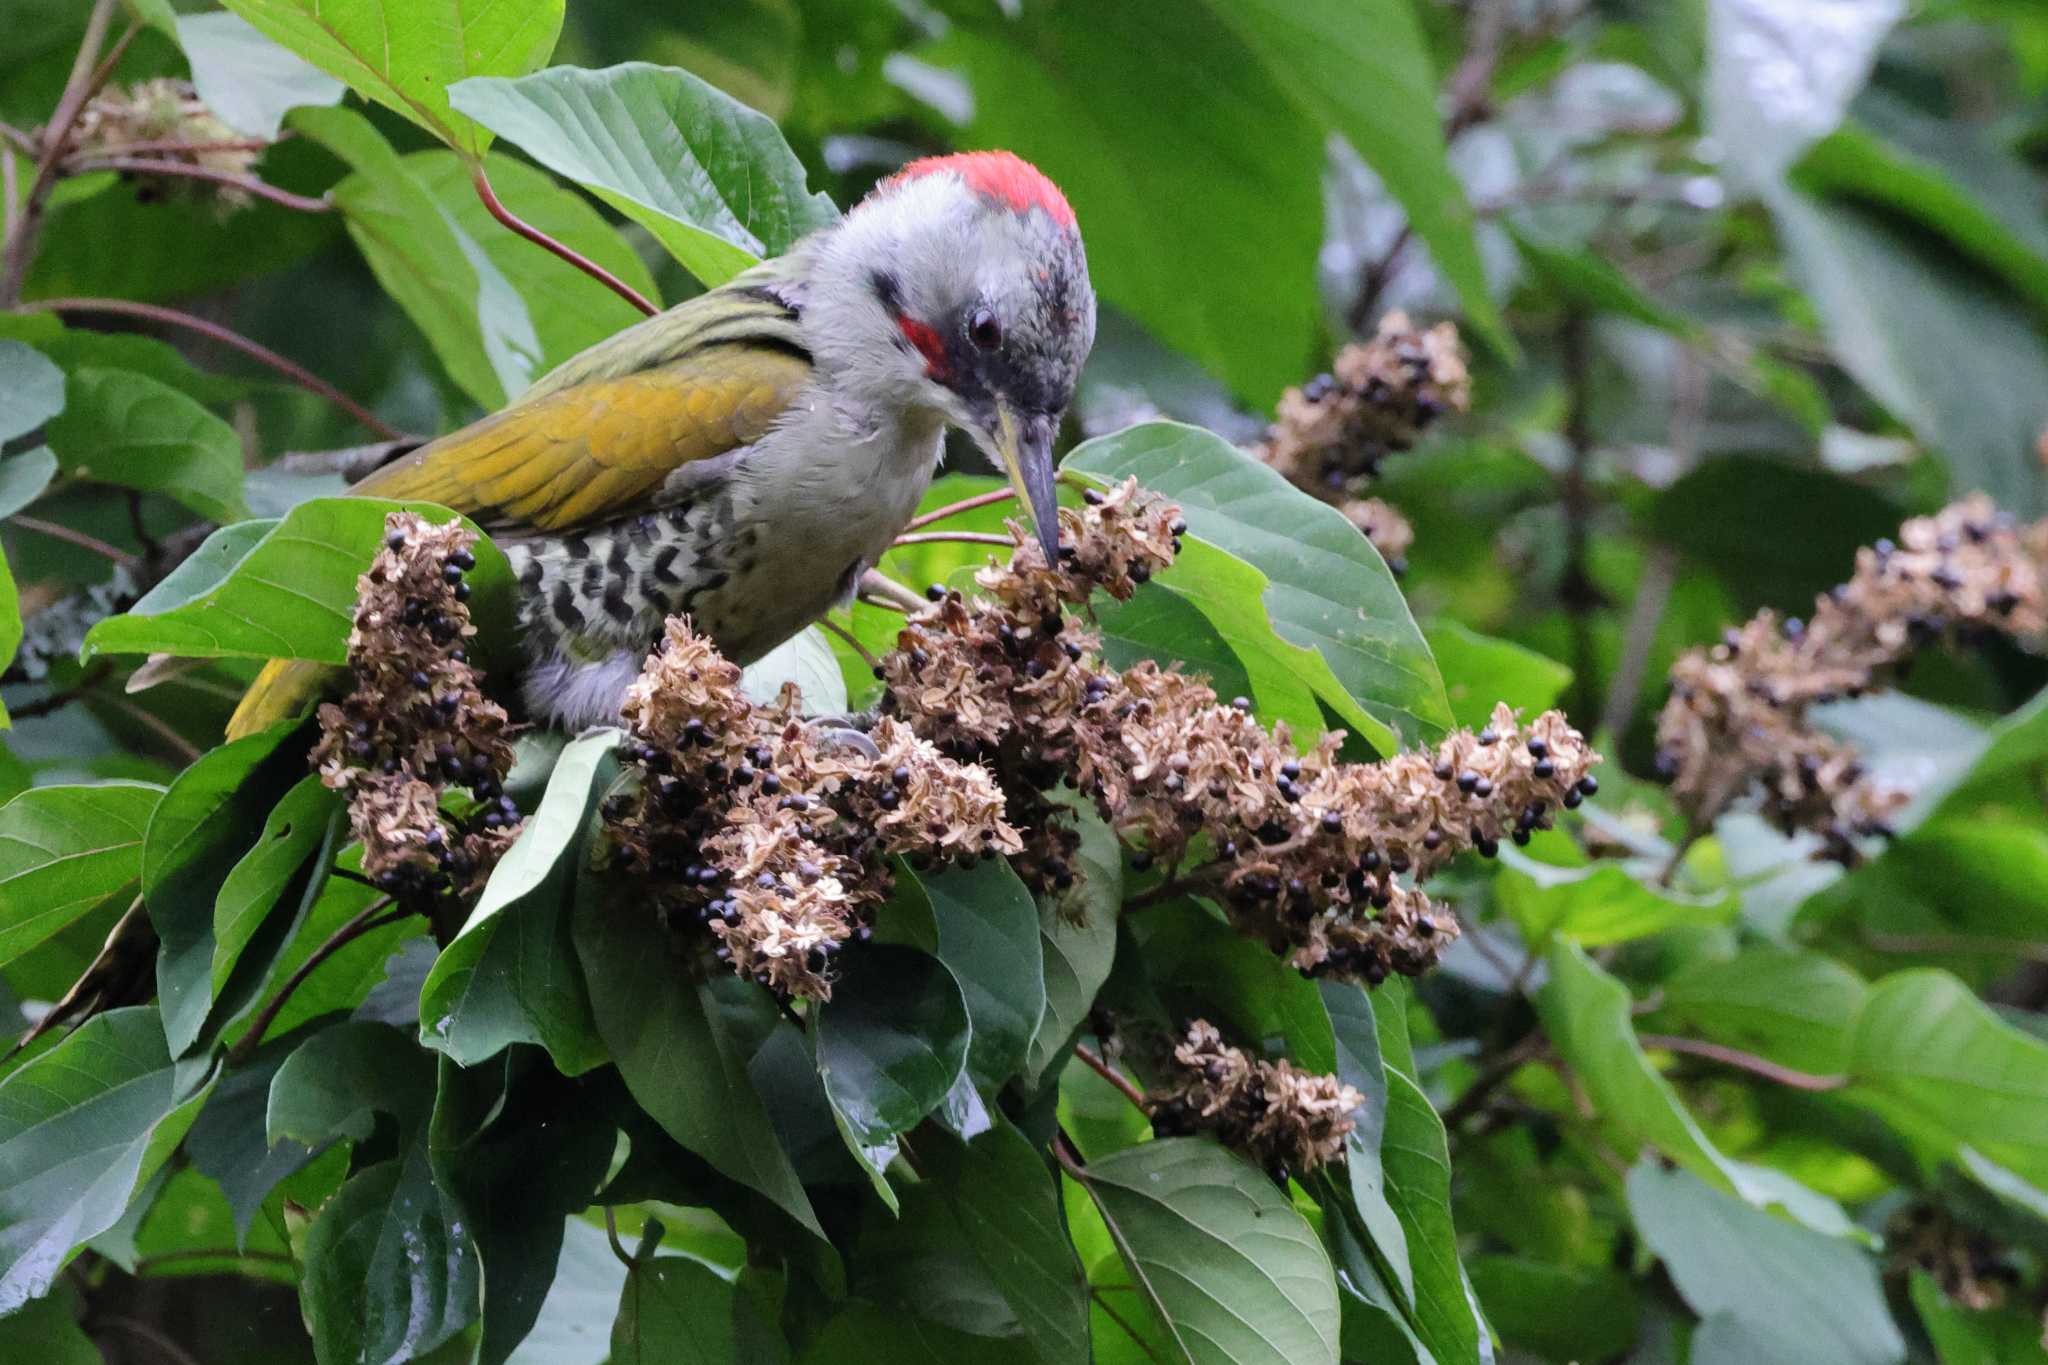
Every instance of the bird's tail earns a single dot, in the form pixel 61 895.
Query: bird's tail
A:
pixel 281 690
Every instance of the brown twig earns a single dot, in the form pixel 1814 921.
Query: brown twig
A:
pixel 165 1348
pixel 19 248
pixel 234 340
pixel 953 537
pixel 533 234
pixel 247 184
pixel 853 643
pixel 1532 1046
pixel 954 509
pixel 1747 1061
pixel 170 144
pixel 57 701
pixel 886 591
pixel 184 748
pixel 1094 1062
pixel 365 921
pixel 79 538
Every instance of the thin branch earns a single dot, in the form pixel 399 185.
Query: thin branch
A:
pixel 19 248
pixel 159 146
pixel 166 1349
pixel 1945 943
pixel 1095 1293
pixel 1066 1153
pixel 953 537
pixel 611 1234
pixel 78 538
pixel 1496 1073
pixel 247 184
pixel 10 198
pixel 541 239
pixel 1747 1061
pixel 363 922
pixel 1094 1062
pixel 1669 873
pixel 1168 889
pixel 148 1263
pixel 57 701
pixel 234 340
pixel 1639 637
pixel 1576 590
pixel 156 725
pixel 876 584
pixel 954 509
pixel 18 139
pixel 853 642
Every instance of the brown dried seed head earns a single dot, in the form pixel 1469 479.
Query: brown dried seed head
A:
pixel 1286 1119
pixel 160 112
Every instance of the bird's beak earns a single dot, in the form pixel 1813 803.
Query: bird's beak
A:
pixel 1025 444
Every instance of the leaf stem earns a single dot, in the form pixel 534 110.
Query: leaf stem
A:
pixel 362 923
pixel 85 78
pixel 954 509
pixel 79 538
pixel 1094 1062
pixel 1747 1061
pixel 533 234
pixel 852 642
pixel 953 537
pixel 1532 1046
pixel 248 184
pixel 234 340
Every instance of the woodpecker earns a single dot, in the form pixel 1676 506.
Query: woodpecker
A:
pixel 744 457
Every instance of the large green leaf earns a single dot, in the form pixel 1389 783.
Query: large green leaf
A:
pixel 332 1088
pixel 130 430
pixel 1964 1335
pixel 230 1141
pixel 404 54
pixel 244 78
pixel 673 1311
pixel 710 178
pixel 453 290
pixel 1077 940
pixel 1205 170
pixel 1363 69
pixel 891 1043
pixel 510 975
pixel 64 850
pixel 683 1046
pixel 301 826
pixel 1359 1065
pixel 1219 1253
pixel 23 478
pixel 82 1127
pixel 1797 1009
pixel 1817 1297
pixel 1596 904
pixel 31 389
pixel 1328 589
pixel 1479 672
pixel 288 592
pixel 988 939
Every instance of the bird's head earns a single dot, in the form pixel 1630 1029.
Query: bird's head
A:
pixel 959 286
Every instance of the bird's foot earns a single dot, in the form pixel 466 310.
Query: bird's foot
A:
pixel 844 732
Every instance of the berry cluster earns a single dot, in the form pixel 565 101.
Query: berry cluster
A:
pixel 775 833
pixel 159 114
pixel 1330 434
pixel 416 722
pixel 1306 852
pixel 1737 717
pixel 1289 1121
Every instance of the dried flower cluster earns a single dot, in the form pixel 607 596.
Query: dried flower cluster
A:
pixel 1330 434
pixel 769 831
pixel 165 120
pixel 1288 1120
pixel 416 721
pixel 1737 718
pixel 1308 853
pixel 1972 1268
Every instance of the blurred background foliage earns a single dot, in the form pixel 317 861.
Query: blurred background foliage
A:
pixel 1745 282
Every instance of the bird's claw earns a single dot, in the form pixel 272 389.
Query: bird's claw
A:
pixel 844 732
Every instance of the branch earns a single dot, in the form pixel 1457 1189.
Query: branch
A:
pixel 78 538
pixel 1747 1061
pixel 365 921
pixel 1532 1046
pixel 954 509
pixel 248 184
pixel 1109 1073
pixel 291 370
pixel 877 585
pixel 78 88
pixel 953 537
pixel 853 643
pixel 57 701
pixel 1576 590
pixel 1943 943
pixel 569 254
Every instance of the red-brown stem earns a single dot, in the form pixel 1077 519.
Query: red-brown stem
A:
pixel 1747 1061
pixel 171 144
pixel 954 509
pixel 78 88
pixel 853 642
pixel 364 921
pixel 248 184
pixel 298 374
pixel 78 538
pixel 1109 1073
pixel 955 538
pixel 573 257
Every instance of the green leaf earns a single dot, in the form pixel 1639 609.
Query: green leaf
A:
pixel 1219 1253
pixel 299 827
pixel 1525 1301
pixel 1587 1014
pixel 404 54
pixel 1595 905
pixel 1777 79
pixel 805 659
pixel 130 430
pixel 1364 70
pixel 1209 126
pixel 710 178
pixel 988 938
pixel 83 1126
pixel 1965 1336
pixel 288 592
pixel 1200 966
pixel 64 850
pixel 510 975
pixel 229 1142
pixel 683 1046
pixel 453 290
pixel 891 1043
pixel 46 1331
pixel 1818 1297
pixel 1594 284
pixel 1077 939
pixel 244 78
pixel 1480 671
pixel 31 389
pixel 1797 1009
pixel 23 478
pixel 1415 1155
pixel 1359 1065
pixel 1897 311
pixel 1938 1065
pixel 585 1292
pixel 334 1085
pixel 673 1311
pixel 1329 591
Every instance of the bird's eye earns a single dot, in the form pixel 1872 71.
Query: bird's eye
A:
pixel 984 331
